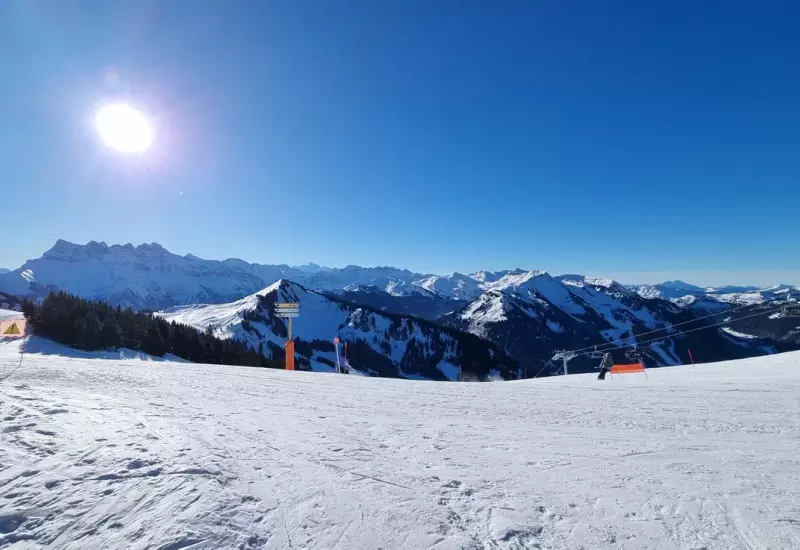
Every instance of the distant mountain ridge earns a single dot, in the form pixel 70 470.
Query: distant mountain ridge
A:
pixel 528 315
pixel 143 277
pixel 148 276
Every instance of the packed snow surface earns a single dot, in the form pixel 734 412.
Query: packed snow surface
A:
pixel 99 453
pixel 10 314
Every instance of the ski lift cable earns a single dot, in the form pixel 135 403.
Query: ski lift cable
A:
pixel 596 347
pixel 641 344
pixel 542 369
pixel 708 326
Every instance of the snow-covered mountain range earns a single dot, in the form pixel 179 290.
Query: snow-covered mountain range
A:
pixel 686 294
pixel 526 314
pixel 143 277
pixel 150 277
pixel 531 315
pixel 378 343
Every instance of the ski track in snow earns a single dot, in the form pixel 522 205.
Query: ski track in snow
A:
pixel 132 454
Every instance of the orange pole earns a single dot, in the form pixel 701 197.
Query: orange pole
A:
pixel 289 355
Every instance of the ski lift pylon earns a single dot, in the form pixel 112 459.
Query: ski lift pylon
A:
pixel 791 310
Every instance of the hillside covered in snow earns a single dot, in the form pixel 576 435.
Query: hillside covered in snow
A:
pixel 100 453
pixel 377 343
pixel 531 315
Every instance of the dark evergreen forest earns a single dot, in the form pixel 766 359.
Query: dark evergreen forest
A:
pixel 94 325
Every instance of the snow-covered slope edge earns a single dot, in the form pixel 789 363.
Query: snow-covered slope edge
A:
pixel 128 454
pixel 378 343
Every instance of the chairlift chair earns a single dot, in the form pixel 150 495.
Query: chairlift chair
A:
pixel 634 354
pixel 595 354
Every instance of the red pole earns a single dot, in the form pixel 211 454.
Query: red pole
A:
pixel 690 355
pixel 289 354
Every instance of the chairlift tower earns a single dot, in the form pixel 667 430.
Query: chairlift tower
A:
pixel 791 308
pixel 565 357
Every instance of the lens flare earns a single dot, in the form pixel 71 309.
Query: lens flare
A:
pixel 124 128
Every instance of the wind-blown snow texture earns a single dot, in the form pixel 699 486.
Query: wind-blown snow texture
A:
pixel 131 454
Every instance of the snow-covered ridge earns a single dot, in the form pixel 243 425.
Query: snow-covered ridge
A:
pixel 144 277
pixel 685 294
pixel 148 276
pixel 379 343
pixel 457 286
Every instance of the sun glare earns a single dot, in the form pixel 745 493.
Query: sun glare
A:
pixel 124 128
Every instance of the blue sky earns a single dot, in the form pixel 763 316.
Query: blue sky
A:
pixel 644 140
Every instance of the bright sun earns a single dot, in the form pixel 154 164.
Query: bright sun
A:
pixel 124 128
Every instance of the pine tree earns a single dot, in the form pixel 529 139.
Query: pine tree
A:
pixel 91 332
pixel 110 334
pixel 29 311
pixel 153 342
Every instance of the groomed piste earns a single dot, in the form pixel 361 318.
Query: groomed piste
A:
pixel 102 452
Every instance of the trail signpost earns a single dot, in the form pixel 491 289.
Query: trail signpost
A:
pixel 288 311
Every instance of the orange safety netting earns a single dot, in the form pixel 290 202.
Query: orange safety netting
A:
pixel 622 369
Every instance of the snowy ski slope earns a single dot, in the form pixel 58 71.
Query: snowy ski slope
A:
pixel 99 453
pixel 10 314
